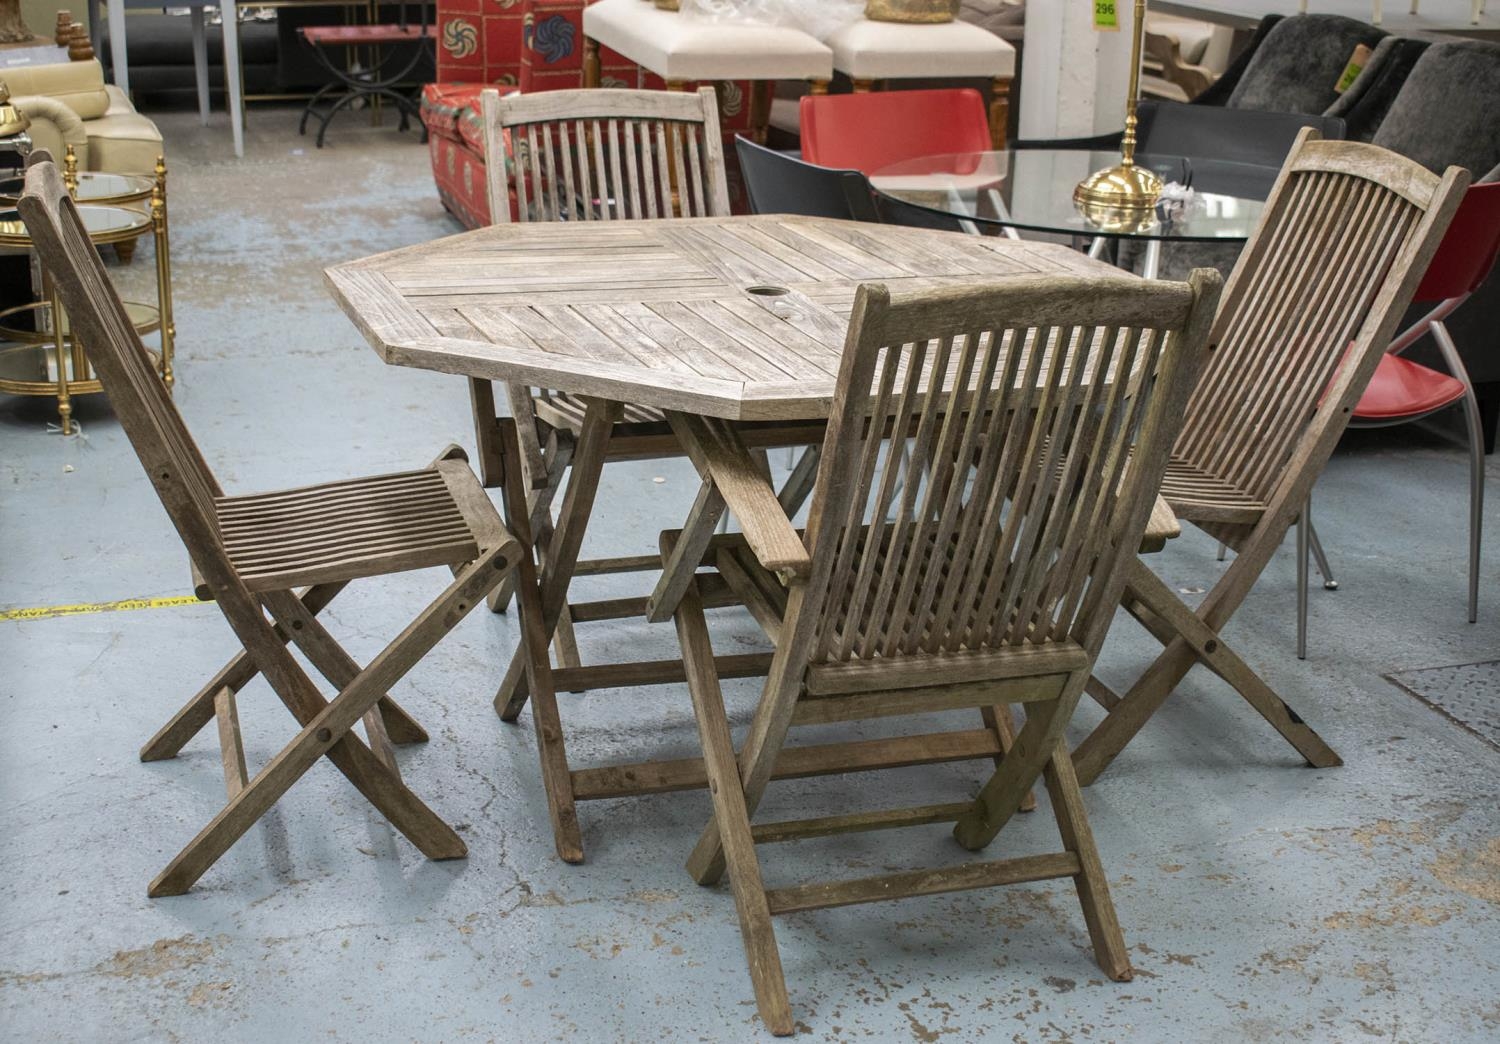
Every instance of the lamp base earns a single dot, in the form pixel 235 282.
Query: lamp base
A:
pixel 1121 198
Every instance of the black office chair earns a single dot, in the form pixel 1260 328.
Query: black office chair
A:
pixel 779 183
pixel 1169 128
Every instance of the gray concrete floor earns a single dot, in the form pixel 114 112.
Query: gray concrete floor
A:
pixel 1261 900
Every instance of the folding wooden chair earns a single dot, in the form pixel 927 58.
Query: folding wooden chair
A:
pixel 597 155
pixel 250 553
pixel 979 571
pixel 1312 304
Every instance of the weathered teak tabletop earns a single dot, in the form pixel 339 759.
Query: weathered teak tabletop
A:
pixel 740 318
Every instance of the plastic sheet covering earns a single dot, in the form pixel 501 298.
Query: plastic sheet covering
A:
pixel 819 18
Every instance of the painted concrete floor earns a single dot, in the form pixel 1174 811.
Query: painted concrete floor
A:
pixel 1261 900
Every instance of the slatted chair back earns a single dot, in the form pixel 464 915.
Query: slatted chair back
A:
pixel 1039 414
pixel 1310 307
pixel 99 321
pixel 604 155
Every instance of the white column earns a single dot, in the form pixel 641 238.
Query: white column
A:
pixel 1073 77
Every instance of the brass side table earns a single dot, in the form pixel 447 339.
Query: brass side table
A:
pixel 45 359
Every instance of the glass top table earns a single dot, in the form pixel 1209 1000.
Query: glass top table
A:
pixel 93 187
pixel 1032 189
pixel 104 224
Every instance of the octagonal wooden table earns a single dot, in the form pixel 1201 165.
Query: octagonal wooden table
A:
pixel 741 319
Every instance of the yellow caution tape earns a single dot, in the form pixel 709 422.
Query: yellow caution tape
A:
pixel 45 611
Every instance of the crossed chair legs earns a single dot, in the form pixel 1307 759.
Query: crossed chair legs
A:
pixel 729 842
pixel 1189 637
pixel 326 725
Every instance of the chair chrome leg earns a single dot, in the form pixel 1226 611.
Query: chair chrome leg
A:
pixel 1222 549
pixel 1476 497
pixel 1303 526
pixel 1330 583
pixel 1476 458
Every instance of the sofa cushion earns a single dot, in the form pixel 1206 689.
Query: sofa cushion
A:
pixel 122 140
pixel 442 104
pixel 868 50
pixel 78 85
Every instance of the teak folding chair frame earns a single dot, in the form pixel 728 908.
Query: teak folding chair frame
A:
pixel 1346 235
pixel 981 570
pixel 250 555
pixel 598 155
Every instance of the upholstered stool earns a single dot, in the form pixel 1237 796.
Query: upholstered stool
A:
pixel 868 51
pixel 681 49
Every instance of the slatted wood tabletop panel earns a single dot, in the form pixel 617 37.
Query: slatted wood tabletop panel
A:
pixel 741 318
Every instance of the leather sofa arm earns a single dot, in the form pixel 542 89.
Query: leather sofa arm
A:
pixel 54 126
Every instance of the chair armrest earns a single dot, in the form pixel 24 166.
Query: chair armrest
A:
pixel 721 457
pixel 66 126
pixel 201 590
pixel 1160 527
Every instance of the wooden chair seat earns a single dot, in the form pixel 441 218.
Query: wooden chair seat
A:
pixel 565 411
pixel 363 527
pixel 1200 496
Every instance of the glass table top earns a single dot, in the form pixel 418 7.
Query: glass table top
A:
pixel 93 187
pixel 1032 189
pixel 101 222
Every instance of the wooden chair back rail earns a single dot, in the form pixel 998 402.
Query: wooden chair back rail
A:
pixel 1297 321
pixel 1301 311
pixel 595 155
pixel 142 402
pixel 1014 475
pixel 605 155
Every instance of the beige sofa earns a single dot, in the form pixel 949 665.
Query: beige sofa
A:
pixel 70 104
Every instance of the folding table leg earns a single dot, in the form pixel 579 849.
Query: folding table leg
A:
pixel 557 780
pixel 732 816
pixel 562 553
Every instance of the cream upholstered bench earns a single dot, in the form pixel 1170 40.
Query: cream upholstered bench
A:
pixel 681 50
pixel 867 51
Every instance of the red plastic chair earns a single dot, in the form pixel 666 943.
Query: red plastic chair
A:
pixel 866 132
pixel 1403 391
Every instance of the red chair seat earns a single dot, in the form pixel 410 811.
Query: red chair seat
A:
pixel 1402 388
pixel 334 35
